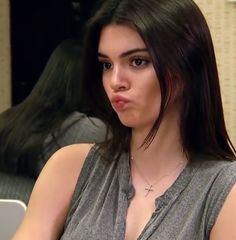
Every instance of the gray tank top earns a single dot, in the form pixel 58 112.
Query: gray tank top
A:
pixel 187 210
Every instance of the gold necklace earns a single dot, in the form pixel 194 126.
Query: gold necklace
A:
pixel 150 187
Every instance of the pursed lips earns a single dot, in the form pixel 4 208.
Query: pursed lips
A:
pixel 119 102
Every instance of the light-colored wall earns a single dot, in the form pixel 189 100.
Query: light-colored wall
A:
pixel 5 75
pixel 221 17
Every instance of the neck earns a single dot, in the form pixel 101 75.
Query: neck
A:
pixel 164 152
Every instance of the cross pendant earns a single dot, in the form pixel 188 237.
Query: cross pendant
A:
pixel 148 189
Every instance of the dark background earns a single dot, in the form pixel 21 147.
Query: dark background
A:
pixel 36 29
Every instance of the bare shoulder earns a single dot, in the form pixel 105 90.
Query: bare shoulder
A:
pixel 50 200
pixel 224 227
pixel 66 163
pixel 69 156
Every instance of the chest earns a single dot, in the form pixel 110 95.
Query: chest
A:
pixel 106 210
pixel 138 215
pixel 113 217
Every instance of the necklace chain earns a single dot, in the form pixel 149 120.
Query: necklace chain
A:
pixel 150 187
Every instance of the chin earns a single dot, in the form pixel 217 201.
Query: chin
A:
pixel 127 123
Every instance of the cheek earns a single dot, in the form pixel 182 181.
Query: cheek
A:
pixel 153 96
pixel 156 94
pixel 105 85
pixel 153 91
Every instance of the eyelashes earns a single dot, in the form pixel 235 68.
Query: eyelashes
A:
pixel 105 65
pixel 137 62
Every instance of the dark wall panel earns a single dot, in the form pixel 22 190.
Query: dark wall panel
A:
pixel 36 28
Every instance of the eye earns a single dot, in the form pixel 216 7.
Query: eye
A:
pixel 139 62
pixel 105 65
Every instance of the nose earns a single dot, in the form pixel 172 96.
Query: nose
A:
pixel 119 80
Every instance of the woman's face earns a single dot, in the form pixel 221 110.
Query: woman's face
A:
pixel 129 78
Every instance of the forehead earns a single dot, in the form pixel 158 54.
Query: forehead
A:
pixel 116 37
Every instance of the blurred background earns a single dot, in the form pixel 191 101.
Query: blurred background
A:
pixel 30 31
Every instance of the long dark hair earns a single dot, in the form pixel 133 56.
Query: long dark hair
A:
pixel 23 128
pixel 179 42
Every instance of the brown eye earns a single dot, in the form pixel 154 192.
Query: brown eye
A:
pixel 106 66
pixel 139 62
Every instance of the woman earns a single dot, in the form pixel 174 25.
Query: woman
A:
pixel 168 172
pixel 49 118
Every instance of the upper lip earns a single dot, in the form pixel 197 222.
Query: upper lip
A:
pixel 118 98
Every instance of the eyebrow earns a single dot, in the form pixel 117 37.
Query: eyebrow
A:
pixel 125 54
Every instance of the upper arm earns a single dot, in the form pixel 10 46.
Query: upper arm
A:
pixel 52 193
pixel 224 227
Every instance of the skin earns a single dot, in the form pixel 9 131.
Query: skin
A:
pixel 51 196
pixel 127 72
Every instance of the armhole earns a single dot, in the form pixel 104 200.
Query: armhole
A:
pixel 226 180
pixel 81 182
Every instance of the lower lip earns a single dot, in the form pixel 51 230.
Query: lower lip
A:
pixel 119 105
